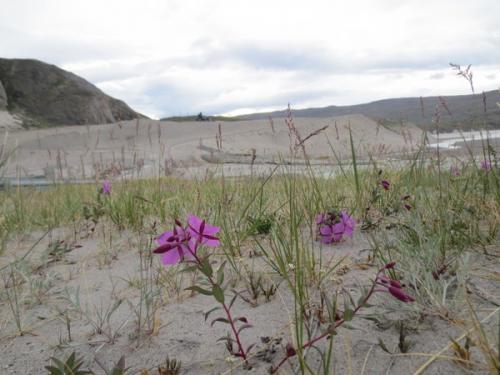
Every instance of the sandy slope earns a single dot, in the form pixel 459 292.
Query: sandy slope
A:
pixel 79 151
pixel 104 276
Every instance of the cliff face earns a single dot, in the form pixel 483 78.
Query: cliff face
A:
pixel 46 95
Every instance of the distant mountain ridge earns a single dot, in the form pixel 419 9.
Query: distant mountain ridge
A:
pixel 45 95
pixel 454 112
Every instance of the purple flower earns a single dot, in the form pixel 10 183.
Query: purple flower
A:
pixel 405 200
pixel 390 265
pixel 175 245
pixel 332 226
pixel 182 243
pixel 455 171
pixel 106 187
pixel 385 184
pixel 388 281
pixel 349 223
pixel 203 232
pixel 290 350
pixel 400 294
pixel 331 233
pixel 485 165
pixel 394 287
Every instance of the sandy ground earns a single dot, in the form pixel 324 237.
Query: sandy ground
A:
pixel 149 148
pixel 104 276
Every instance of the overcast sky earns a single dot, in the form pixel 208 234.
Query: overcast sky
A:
pixel 178 57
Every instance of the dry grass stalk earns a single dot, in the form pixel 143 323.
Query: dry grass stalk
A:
pixel 312 134
pixel 467 74
pixel 443 103
pixel 422 107
pixel 271 122
pixel 218 137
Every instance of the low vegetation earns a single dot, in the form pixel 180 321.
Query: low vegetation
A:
pixel 428 226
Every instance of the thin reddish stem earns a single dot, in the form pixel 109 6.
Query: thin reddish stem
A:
pixel 336 325
pixel 241 350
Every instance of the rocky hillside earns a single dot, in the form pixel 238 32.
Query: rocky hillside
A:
pixel 45 95
pixel 3 98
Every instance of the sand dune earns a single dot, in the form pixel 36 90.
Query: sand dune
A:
pixel 149 147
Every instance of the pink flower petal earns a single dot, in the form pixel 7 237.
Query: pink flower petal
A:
pixel 162 238
pixel 349 224
pixel 106 187
pixel 189 252
pixel 325 230
pixel 194 221
pixel 400 294
pixel 171 257
pixel 338 228
pixel 196 226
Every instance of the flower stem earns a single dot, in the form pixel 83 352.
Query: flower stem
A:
pixel 241 351
pixel 235 332
pixel 335 326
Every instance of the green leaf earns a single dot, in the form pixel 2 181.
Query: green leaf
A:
pixel 58 362
pixel 211 311
pixel 71 360
pixel 196 288
pixel 220 273
pixel 244 326
pixel 227 339
pixel 382 345
pixel 222 320
pixel 218 293
pixel 354 165
pixel 53 370
pixel 348 314
pixel 331 330
pixel 250 347
pixel 233 299
pixel 206 268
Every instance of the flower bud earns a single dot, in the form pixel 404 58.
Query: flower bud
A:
pixel 290 350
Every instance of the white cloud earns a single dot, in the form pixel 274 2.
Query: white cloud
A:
pixel 218 56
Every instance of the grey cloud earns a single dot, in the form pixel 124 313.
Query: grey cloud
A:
pixel 314 59
pixel 57 50
pixel 169 99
